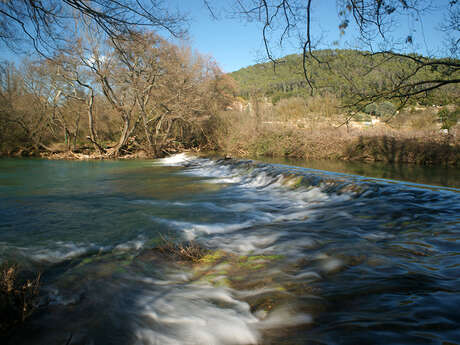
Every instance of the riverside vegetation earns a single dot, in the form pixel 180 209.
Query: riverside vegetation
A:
pixel 343 119
pixel 17 297
pixel 163 98
pixel 104 91
pixel 292 128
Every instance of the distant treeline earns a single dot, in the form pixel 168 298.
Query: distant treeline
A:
pixel 346 74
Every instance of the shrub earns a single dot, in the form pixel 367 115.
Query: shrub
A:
pixel 362 117
pixel 448 118
pixel 385 109
pixel 371 109
pixel 291 109
pixel 310 108
pixel 425 150
pixel 187 251
pixel 17 298
pixel 381 109
pixel 425 120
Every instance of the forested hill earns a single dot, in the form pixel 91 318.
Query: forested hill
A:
pixel 344 73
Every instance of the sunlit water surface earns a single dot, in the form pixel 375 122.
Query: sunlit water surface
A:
pixel 312 257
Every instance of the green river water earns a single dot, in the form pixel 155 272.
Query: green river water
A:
pixel 314 253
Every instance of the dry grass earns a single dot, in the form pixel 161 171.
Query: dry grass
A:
pixel 233 131
pixel 288 130
pixel 426 150
pixel 17 298
pixel 413 119
pixel 310 110
pixel 183 251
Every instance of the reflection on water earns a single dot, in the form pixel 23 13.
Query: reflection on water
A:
pixel 297 256
pixel 447 176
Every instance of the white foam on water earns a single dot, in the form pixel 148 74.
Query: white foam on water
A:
pixel 199 313
pixel 174 279
pixel 315 194
pixel 190 230
pixel 254 179
pixel 241 207
pixel 332 265
pixel 61 251
pixel 300 215
pixel 175 160
pixel 131 245
pixel 184 313
pixel 227 180
pixel 262 179
pixel 55 297
pixel 284 317
pixel 189 314
pixel 379 235
pixel 220 174
pixel 244 244
pixel 310 275
pixel 201 166
pixel 210 169
pixel 145 336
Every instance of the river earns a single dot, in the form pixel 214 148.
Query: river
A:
pixel 295 255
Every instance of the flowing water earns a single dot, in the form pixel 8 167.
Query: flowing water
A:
pixel 296 256
pixel 432 175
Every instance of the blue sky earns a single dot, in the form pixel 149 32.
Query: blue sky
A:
pixel 234 43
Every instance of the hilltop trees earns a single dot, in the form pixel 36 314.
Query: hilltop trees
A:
pixel 347 77
pixel 374 20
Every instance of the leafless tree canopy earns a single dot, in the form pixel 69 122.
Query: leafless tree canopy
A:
pixel 452 27
pixel 45 24
pixel 374 19
pixel 58 27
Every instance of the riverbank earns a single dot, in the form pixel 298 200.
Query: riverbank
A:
pixel 70 155
pixel 370 144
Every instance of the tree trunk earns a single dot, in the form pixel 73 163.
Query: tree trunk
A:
pixel 150 149
pixel 115 151
pixel 92 132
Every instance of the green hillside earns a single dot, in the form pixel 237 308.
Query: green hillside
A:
pixel 347 74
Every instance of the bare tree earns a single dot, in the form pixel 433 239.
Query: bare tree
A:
pixel 109 72
pixel 26 112
pixel 143 60
pixel 176 90
pixel 190 91
pixel 47 25
pixel 171 89
pixel 63 100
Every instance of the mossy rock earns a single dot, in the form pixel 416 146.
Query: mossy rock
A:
pixel 293 181
pixel 212 257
